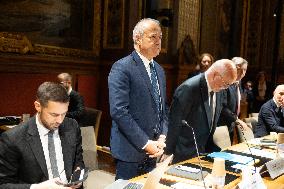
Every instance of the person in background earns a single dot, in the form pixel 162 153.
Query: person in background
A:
pixel 198 102
pixel 262 91
pixel 76 106
pixel 232 98
pixel 270 117
pixel 205 61
pixel 248 95
pixel 43 152
pixel 137 98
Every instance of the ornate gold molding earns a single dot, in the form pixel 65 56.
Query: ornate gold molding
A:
pixel 60 51
pixel 15 43
pixel 19 43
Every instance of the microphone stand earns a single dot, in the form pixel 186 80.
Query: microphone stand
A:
pixel 199 160
pixel 242 131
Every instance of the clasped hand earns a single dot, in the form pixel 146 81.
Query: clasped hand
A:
pixel 155 148
pixel 55 183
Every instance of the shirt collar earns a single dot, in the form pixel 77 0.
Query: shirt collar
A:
pixel 278 105
pixel 145 61
pixel 42 130
pixel 69 90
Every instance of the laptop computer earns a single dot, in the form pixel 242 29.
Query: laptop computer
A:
pixel 153 179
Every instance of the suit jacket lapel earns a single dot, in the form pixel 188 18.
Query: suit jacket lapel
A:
pixel 34 141
pixel 144 73
pixel 66 149
pixel 205 98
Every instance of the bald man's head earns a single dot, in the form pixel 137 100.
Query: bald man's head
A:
pixel 278 95
pixel 221 74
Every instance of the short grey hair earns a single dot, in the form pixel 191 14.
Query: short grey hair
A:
pixel 140 27
pixel 239 61
pixel 65 77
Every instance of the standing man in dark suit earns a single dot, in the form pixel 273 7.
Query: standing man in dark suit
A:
pixel 76 106
pixel 232 98
pixel 198 102
pixel 270 117
pixel 43 152
pixel 137 97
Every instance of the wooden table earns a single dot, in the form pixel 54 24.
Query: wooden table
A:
pixel 271 184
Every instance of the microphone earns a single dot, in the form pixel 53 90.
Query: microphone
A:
pixel 199 161
pixel 242 131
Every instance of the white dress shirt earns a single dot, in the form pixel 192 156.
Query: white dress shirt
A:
pixel 214 99
pixel 43 133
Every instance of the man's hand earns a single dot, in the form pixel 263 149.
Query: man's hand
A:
pixel 76 186
pixel 153 149
pixel 55 183
pixel 161 142
pixel 164 157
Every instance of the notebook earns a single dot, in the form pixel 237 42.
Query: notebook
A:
pixel 153 178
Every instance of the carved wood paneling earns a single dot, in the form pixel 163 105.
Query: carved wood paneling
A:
pixel 188 21
pixel 114 24
pixel 281 49
pixel 254 31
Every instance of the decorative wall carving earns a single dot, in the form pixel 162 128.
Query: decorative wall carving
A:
pixel 188 21
pixel 60 51
pixel 14 43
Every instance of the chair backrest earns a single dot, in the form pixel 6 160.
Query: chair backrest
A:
pixel 251 121
pixel 253 115
pixel 89 147
pixel 245 132
pixel 91 117
pixel 221 137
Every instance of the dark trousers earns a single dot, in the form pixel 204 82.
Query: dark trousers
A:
pixel 127 170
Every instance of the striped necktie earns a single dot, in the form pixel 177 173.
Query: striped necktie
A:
pixel 52 154
pixel 155 86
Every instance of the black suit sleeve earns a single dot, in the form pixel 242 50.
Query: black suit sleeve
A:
pixel 270 120
pixel 181 106
pixel 79 151
pixel 10 161
pixel 227 116
pixel 77 108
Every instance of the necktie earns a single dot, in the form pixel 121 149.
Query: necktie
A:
pixel 238 99
pixel 52 155
pixel 155 86
pixel 211 108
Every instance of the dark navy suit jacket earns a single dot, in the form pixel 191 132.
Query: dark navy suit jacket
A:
pixel 132 107
pixel 270 119
pixel 191 103
pixel 230 105
pixel 22 160
pixel 76 106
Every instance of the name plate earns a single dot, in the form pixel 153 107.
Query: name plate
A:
pixel 275 167
pixel 254 182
